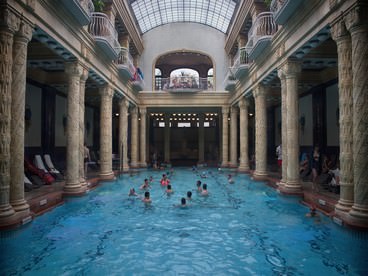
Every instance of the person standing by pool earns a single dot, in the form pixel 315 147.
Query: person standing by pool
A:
pixel 147 198
pixel 204 191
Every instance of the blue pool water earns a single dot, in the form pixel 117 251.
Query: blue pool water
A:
pixel 245 228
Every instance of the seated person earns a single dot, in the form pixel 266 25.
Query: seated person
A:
pixel 147 198
pixel 169 190
pixel 145 185
pixel 334 184
pixel 199 188
pixel 204 191
pixel 132 192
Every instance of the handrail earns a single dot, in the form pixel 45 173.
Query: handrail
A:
pixel 88 6
pixel 189 83
pixel 241 57
pixel 124 58
pixel 264 25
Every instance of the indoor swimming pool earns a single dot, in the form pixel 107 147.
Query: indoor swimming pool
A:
pixel 244 228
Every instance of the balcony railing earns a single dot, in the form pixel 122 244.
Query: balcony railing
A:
pixel 186 84
pixel 283 9
pixel 230 81
pixel 124 62
pixel 241 63
pixel 260 34
pixel 105 34
pixel 80 9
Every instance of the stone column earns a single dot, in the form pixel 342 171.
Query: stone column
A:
pixel 234 137
pixel 244 149
pixel 143 113
pixel 123 134
pixel 291 70
pixel 107 94
pixel 167 138
pixel 201 139
pixel 343 42
pixel 259 94
pixel 21 40
pixel 283 129
pixel 9 23
pixel 225 136
pixel 82 92
pixel 134 138
pixel 357 24
pixel 72 183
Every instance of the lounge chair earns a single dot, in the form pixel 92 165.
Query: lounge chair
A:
pixel 52 168
pixel 47 177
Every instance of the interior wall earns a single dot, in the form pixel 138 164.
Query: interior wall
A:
pixel 32 136
pixel 278 125
pixel 88 120
pixel 60 121
pixel 332 115
pixel 305 121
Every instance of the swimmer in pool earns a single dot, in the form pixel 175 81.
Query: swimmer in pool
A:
pixel 189 195
pixel 164 180
pixel 183 203
pixel 230 179
pixel 145 185
pixel 199 188
pixel 132 192
pixel 204 191
pixel 169 190
pixel 147 198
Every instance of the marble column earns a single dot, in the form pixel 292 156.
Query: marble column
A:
pixel 201 139
pixel 18 97
pixel 225 136
pixel 72 183
pixel 9 23
pixel 107 94
pixel 291 70
pixel 357 24
pixel 283 129
pixel 259 94
pixel 234 137
pixel 134 138
pixel 343 42
pixel 243 128
pixel 82 92
pixel 143 113
pixel 123 134
pixel 167 139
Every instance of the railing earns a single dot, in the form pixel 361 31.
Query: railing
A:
pixel 263 26
pixel 241 57
pixel 101 27
pixel 87 5
pixel 185 83
pixel 125 59
pixel 276 5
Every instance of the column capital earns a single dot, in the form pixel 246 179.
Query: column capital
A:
pixel 357 17
pixel 107 91
pixel 291 68
pixel 73 68
pixel 338 30
pixel 25 31
pixel 243 103
pixel 9 20
pixel 225 110
pixel 85 74
pixel 124 102
pixel 142 110
pixel 259 91
pixel 134 110
pixel 234 109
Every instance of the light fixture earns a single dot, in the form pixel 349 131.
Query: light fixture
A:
pixel 116 114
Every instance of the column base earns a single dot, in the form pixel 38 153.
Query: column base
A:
pixel 107 176
pixel 74 189
pixel 143 165
pixel 291 188
pixel 224 165
pixel 343 206
pixel 83 182
pixel 260 176
pixel 15 220
pixel 282 183
pixel 20 205
pixel 125 169
pixel 233 166
pixel 243 168
pixel 359 215
pixel 7 215
pixel 134 165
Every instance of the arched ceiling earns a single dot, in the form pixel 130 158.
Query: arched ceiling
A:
pixel 153 13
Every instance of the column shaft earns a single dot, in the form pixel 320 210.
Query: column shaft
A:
pixel 201 139
pixel 167 138
pixel 134 138
pixel 82 92
pixel 234 137
pixel 284 136
pixel 243 128
pixel 143 113
pixel 123 135
pixel 225 137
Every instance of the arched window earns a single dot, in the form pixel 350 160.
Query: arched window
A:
pixel 210 79
pixel 184 78
pixel 158 79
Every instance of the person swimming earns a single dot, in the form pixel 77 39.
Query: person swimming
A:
pixel 145 185
pixel 183 203
pixel 230 179
pixel 204 191
pixel 199 188
pixel 189 195
pixel 164 180
pixel 169 189
pixel 132 192
pixel 147 198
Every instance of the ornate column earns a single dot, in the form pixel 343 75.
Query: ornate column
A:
pixel 82 92
pixel 343 42
pixel 201 139
pixel 283 129
pixel 225 136
pixel 107 94
pixel 143 113
pixel 261 132
pixel 21 39
pixel 72 183
pixel 167 138
pixel 134 138
pixel 234 137
pixel 244 149
pixel 9 23
pixel 123 134
pixel 357 24
pixel 291 70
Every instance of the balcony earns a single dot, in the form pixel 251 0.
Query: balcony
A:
pixel 260 34
pixel 137 81
pixel 124 62
pixel 104 34
pixel 241 63
pixel 283 9
pixel 230 81
pixel 186 84
pixel 80 9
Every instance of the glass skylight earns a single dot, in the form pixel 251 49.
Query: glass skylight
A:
pixel 214 13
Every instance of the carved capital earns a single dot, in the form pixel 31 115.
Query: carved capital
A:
pixel 338 30
pixel 84 75
pixel 73 69
pixel 259 91
pixel 234 109
pixel 25 31
pixel 134 111
pixel 225 110
pixel 106 91
pixel 280 74
pixel 243 103
pixel 143 110
pixel 335 3
pixel 124 103
pixel 291 68
pixel 9 20
pixel 357 17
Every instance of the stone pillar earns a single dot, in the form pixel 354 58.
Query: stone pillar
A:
pixel 225 136
pixel 201 139
pixel 143 113
pixel 291 70
pixel 244 149
pixel 9 23
pixel 234 137
pixel 343 41
pixel 72 183
pixel 107 94
pixel 82 92
pixel 167 138
pixel 283 129
pixel 134 138
pixel 259 93
pixel 123 134
pixel 357 24
pixel 21 40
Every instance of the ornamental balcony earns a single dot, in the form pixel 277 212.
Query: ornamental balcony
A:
pixel 186 84
pixel 230 81
pixel 80 9
pixel 104 34
pixel 241 63
pixel 283 9
pixel 124 62
pixel 260 34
